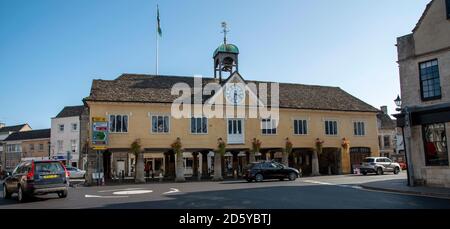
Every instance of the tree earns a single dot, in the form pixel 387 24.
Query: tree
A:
pixel 287 151
pixel 315 157
pixel 218 154
pixel 256 146
pixel 139 171
pixel 179 170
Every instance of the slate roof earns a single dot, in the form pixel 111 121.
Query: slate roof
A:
pixel 28 135
pixel 70 111
pixel 12 128
pixel 157 89
pixel 386 121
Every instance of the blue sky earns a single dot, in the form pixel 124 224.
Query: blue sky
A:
pixel 50 50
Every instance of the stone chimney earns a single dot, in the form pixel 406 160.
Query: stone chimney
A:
pixel 384 109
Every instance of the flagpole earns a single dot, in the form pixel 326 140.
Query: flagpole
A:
pixel 157 43
pixel 157 52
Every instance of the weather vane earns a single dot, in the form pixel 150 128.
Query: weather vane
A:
pixel 225 31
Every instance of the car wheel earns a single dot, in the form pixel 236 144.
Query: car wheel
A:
pixel 6 194
pixel 21 196
pixel 62 194
pixel 379 171
pixel 364 173
pixel 292 176
pixel 396 170
pixel 259 177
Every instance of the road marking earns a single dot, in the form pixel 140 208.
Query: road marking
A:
pixel 106 197
pixel 172 190
pixel 123 189
pixel 339 185
pixel 132 192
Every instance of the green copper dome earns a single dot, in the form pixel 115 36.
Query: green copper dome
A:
pixel 230 48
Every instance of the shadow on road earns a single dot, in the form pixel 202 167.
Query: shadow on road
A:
pixel 287 197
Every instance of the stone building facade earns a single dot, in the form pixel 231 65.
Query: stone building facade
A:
pixel 424 63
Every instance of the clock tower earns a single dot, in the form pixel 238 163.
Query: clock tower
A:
pixel 225 57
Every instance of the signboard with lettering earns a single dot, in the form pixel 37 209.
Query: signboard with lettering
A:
pixel 99 133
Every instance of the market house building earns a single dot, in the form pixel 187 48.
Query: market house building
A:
pixel 424 63
pixel 138 106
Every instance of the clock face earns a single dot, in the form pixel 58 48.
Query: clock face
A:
pixel 235 93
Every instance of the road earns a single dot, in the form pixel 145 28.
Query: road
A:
pixel 326 192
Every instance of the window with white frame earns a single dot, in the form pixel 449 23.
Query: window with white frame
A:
pixel 118 123
pixel 300 127
pixel 74 127
pixel 268 126
pixel 160 124
pixel 331 127
pixel 13 148
pixel 61 127
pixel 199 125
pixel 73 145
pixel 359 128
pixel 59 144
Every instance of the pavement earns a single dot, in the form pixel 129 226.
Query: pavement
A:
pixel 324 192
pixel 401 186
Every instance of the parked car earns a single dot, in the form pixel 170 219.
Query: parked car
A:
pixel 76 173
pixel 403 165
pixel 34 177
pixel 259 171
pixel 379 165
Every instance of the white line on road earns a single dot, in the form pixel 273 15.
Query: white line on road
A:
pixel 132 192
pixel 172 190
pixel 95 196
pixel 339 185
pixel 123 189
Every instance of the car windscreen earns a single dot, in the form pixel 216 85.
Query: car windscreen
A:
pixel 369 160
pixel 48 167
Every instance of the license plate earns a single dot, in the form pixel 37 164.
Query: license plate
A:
pixel 50 176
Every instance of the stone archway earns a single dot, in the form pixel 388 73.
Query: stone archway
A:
pixel 301 158
pixel 330 161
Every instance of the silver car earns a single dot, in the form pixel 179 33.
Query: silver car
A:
pixel 76 173
pixel 379 165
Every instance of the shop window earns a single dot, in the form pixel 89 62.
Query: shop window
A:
pixel 435 143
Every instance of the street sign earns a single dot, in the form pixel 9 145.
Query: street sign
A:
pixel 99 132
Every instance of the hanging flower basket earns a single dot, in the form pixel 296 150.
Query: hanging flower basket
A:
pixel 319 145
pixel 345 143
pixel 256 145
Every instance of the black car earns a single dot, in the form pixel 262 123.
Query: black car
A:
pixel 259 171
pixel 31 178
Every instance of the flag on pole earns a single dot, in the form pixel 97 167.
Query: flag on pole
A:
pixel 158 20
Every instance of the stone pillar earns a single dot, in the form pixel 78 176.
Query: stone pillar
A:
pixel 195 164
pixel 235 162
pixel 205 171
pixel 140 176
